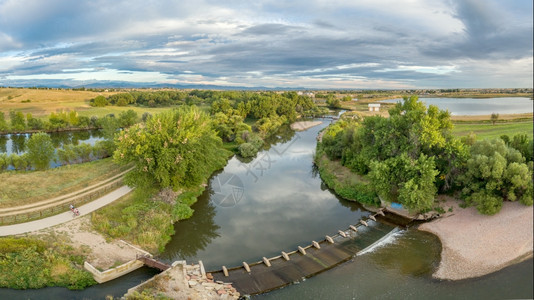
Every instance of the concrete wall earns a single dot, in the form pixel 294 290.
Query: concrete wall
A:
pixel 113 273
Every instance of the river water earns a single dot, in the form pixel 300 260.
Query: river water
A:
pixel 479 106
pixel 276 202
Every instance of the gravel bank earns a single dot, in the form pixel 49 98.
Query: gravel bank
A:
pixel 475 245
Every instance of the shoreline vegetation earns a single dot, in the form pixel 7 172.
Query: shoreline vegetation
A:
pixel 474 240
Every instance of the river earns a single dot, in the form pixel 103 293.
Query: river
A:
pixel 276 202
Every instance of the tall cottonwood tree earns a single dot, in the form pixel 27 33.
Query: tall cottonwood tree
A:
pixel 178 148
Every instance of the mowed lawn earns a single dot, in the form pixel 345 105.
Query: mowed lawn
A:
pixel 489 131
pixel 25 187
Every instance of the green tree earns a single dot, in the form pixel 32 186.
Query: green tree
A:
pixel 494 118
pixel 33 123
pixel 18 123
pixel 99 101
pixel 247 150
pixel 4 162
pixel 3 123
pixel 406 180
pixel 495 173
pixel 173 149
pixel 40 150
pixel 127 118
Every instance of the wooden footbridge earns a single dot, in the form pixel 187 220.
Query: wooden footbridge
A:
pixel 286 268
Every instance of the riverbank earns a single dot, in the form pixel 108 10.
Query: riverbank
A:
pixel 474 245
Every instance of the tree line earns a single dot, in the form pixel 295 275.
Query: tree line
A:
pixel 56 121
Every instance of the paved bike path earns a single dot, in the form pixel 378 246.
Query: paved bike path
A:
pixel 64 217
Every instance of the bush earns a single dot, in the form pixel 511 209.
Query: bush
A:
pixel 495 173
pixel 247 150
pixel 19 162
pixel 99 101
pixel 4 162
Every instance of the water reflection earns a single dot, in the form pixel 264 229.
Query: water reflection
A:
pixel 282 206
pixel 198 232
pixel 16 143
pixel 3 143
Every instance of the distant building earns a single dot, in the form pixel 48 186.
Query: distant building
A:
pixel 374 106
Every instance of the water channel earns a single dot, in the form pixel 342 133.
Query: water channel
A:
pixel 276 202
pixel 479 106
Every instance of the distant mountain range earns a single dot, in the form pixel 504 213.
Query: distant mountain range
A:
pixel 57 83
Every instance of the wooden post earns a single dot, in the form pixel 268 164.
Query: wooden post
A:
pixel 372 218
pixel 363 222
pixel 301 250
pixel 381 212
pixel 342 233
pixel 316 245
pixel 353 228
pixel 225 271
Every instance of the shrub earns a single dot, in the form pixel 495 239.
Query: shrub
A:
pixel 247 150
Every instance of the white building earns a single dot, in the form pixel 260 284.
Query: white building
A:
pixel 374 106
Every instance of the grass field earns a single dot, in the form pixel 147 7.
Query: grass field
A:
pixel 43 102
pixel 20 188
pixel 489 131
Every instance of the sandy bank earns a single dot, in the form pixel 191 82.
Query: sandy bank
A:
pixel 476 245
pixel 303 125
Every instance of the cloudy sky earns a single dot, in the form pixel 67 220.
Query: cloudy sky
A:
pixel 271 43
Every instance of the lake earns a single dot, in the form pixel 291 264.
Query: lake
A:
pixel 478 106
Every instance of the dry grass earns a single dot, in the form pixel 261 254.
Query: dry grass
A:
pixel 43 102
pixel 20 188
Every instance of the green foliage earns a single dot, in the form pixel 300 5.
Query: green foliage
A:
pixel 40 150
pixel 3 123
pixel 4 161
pixel 142 219
pixel 18 123
pixel 494 118
pixel 333 102
pixel 494 173
pixel 411 154
pixel 19 162
pixel 127 118
pixel 354 190
pixel 405 180
pixel 33 123
pixel 174 149
pixel 28 263
pixel 247 150
pixel 99 101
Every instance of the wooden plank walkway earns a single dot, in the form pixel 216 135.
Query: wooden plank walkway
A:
pixel 152 263
pixel 276 272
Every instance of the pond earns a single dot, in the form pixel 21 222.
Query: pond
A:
pixel 16 143
pixel 478 106
pixel 276 202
